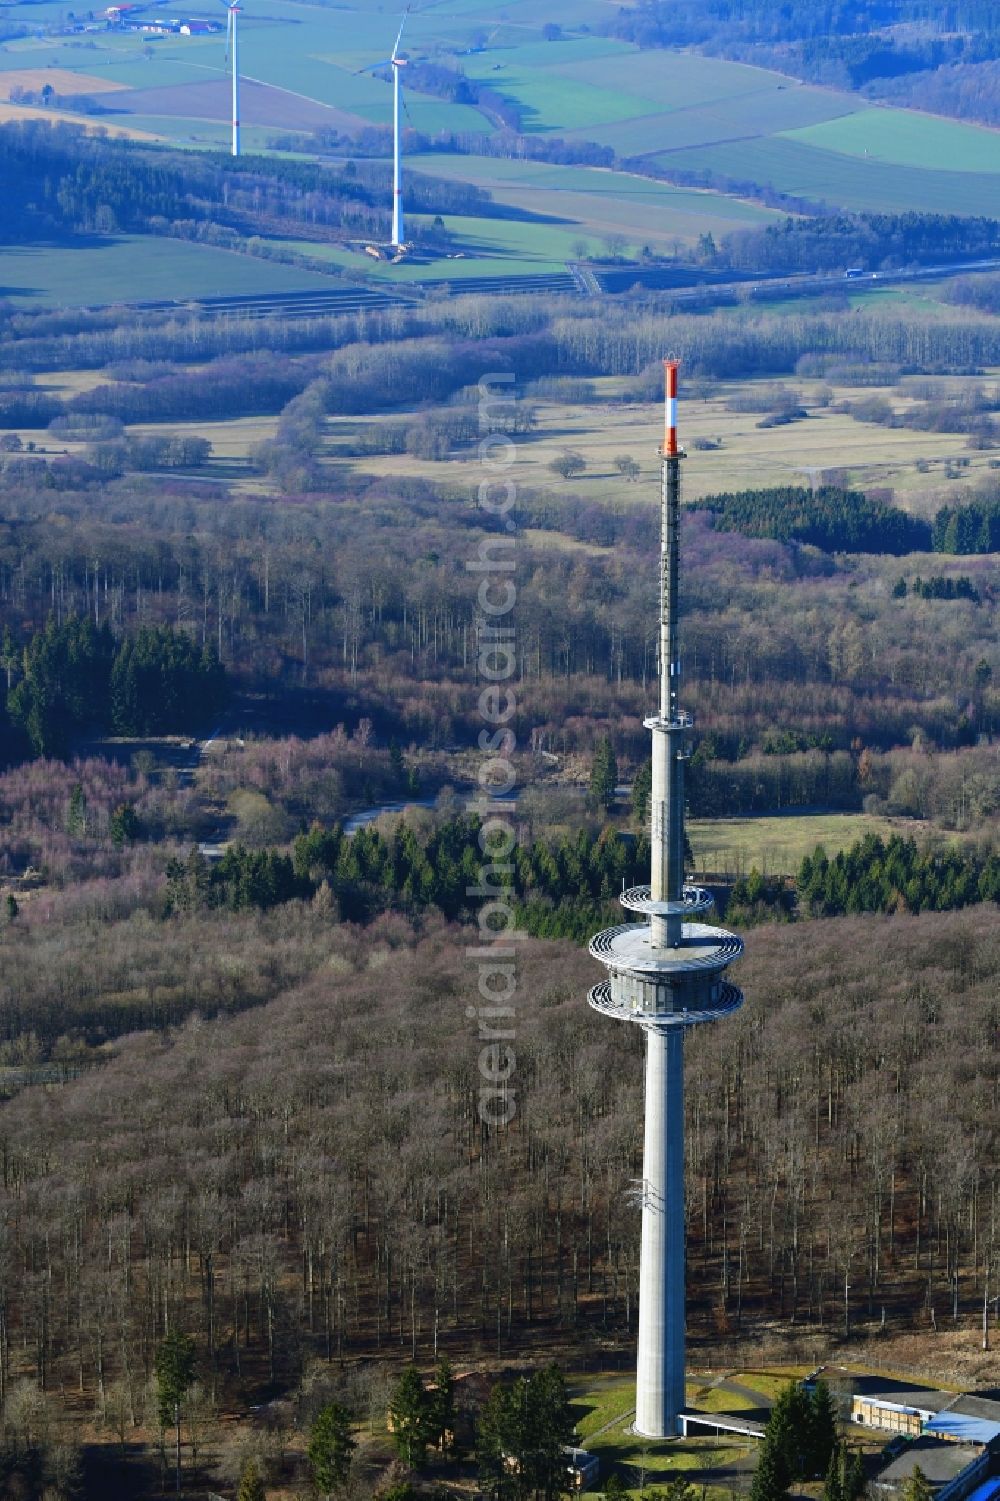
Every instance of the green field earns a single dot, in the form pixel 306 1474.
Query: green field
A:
pixel 845 181
pixel 601 202
pixel 677 82
pixel 672 109
pixel 572 212
pixel 134 269
pixel 776 845
pixel 551 101
pixel 492 247
pixel 213 135
pixel 908 140
pixel 603 1408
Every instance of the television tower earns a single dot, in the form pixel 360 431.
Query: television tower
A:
pixel 665 974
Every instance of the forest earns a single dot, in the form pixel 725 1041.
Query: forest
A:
pixel 563 889
pixel 944 61
pixel 317 1204
pixel 834 520
pixel 75 676
pixel 63 182
pixel 972 528
pixel 833 242
pixel 249 1119
pixel 302 612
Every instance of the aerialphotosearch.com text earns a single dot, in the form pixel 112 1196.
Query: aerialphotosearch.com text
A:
pixel 495 955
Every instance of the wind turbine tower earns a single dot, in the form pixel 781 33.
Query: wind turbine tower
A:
pixel 666 973
pixel 398 64
pixel 232 44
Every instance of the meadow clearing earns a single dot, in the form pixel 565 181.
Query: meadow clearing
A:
pixel 775 845
pixel 862 453
pixel 920 469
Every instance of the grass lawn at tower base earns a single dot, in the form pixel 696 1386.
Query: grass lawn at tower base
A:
pixel 604 1409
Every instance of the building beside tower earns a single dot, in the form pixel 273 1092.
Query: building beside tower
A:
pixel 665 973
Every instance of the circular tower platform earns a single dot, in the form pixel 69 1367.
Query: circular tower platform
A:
pixel 657 985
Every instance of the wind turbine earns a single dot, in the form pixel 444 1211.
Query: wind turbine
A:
pixel 232 48
pixel 396 63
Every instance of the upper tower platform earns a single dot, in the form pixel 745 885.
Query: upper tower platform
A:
pixel 667 971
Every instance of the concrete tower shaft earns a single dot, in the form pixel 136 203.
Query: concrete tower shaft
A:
pixel 659 1391
pixel 666 974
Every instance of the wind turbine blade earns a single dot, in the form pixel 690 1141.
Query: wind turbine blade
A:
pixel 385 63
pixel 399 35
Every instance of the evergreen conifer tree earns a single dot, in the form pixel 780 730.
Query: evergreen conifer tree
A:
pixel 853 1483
pixel 410 1417
pixel 251 1484
pixel 441 1415
pixel 789 1431
pixel 770 1480
pixel 76 813
pixel 642 788
pixel 821 1431
pixel 603 775
pixel 174 1375
pixel 331 1447
pixel 918 1487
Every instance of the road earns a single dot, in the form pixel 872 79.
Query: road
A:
pixel 683 285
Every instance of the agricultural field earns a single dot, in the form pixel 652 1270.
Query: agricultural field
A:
pixel 683 100
pixel 907 139
pixel 132 268
pixel 846 181
pixel 134 131
pixel 60 79
pixel 289 52
pixel 306 68
pixel 602 202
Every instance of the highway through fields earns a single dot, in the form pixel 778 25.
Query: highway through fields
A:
pixel 681 284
